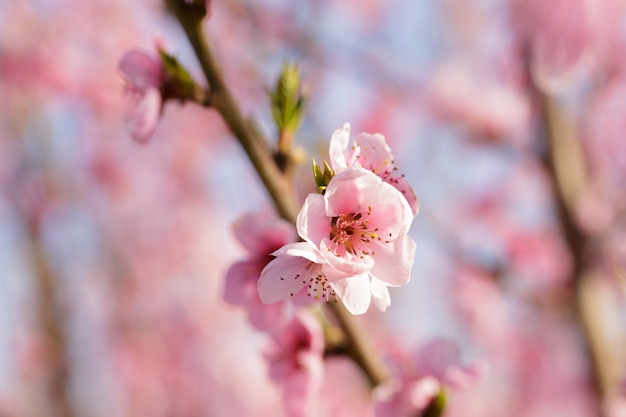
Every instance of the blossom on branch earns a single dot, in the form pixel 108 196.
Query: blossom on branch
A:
pixel 355 245
pixel 144 76
pixel 420 379
pixel 259 234
pixel 296 363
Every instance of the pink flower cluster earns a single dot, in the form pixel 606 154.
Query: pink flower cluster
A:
pixel 420 376
pixel 355 243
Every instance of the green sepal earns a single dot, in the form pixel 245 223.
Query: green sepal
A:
pixel 437 405
pixel 322 178
pixel 178 82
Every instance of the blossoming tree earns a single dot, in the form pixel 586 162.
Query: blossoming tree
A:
pixel 464 255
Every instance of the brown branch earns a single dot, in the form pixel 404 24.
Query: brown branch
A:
pixel 275 181
pixel 222 100
pixel 50 322
pixel 566 164
pixel 358 348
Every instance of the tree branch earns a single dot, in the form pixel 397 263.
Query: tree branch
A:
pixel 274 180
pixel 566 163
pixel 277 185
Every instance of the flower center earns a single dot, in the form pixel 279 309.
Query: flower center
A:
pixel 353 233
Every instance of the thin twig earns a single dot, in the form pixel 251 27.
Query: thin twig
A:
pixel 276 184
pixel 274 180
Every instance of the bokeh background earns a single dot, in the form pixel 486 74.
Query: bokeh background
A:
pixel 113 253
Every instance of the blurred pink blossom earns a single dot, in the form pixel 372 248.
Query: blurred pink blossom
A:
pixel 344 393
pixel 565 37
pixel 441 358
pixel 144 75
pixel 420 376
pixel 407 398
pixel 539 256
pixel 296 363
pixel 488 109
pixel 260 234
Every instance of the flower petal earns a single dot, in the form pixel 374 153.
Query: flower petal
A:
pixel 380 294
pixel 141 70
pixel 241 282
pixel 301 249
pixel 338 148
pixel 441 358
pixel 355 293
pixel 281 278
pixel 262 233
pixel 144 119
pixel 344 193
pixel 402 185
pixel 313 224
pixel 373 153
pixel 394 261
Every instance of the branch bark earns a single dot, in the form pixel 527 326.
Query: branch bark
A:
pixel 566 164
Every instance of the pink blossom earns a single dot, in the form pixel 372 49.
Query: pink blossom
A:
pixel 567 37
pixel 360 224
pixel 407 398
pixel 421 376
pixel 356 245
pixel 300 266
pixel 144 76
pixel 559 35
pixel 441 358
pixel 501 114
pixel 260 234
pixel 296 363
pixel 369 151
pixel 344 393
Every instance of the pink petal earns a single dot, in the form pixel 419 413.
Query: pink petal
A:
pixel 405 397
pixel 267 318
pixel 380 294
pixel 301 249
pixel 262 233
pixel 355 293
pixel 300 395
pixel 141 70
pixel 344 194
pixel 282 278
pixel 441 358
pixel 373 153
pixel 313 224
pixel 345 265
pixel 145 116
pixel 241 282
pixel 391 212
pixel 393 262
pixel 360 191
pixel 338 148
pixel 345 393
pixel 402 185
